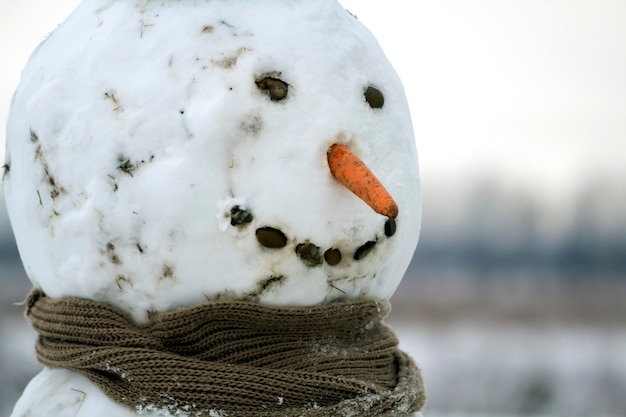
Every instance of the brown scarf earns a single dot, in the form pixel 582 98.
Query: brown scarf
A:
pixel 234 358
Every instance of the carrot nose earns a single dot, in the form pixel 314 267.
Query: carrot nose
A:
pixel 353 174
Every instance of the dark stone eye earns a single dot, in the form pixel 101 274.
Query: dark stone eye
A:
pixel 363 250
pixel 390 227
pixel 239 216
pixel 332 256
pixel 309 253
pixel 271 238
pixel 273 87
pixel 374 97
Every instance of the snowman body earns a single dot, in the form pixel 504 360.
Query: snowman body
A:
pixel 161 154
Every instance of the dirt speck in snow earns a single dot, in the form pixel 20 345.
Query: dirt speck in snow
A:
pixel 272 282
pixel 333 286
pixel 56 191
pixel 126 166
pixel 225 23
pixel 252 126
pixel 129 167
pixel 112 255
pixel 143 28
pixel 40 156
pixel 168 272
pixel 110 95
pixel 231 60
pixel 123 281
pixel 262 286
pixel 6 168
pixel 33 136
pixel 265 285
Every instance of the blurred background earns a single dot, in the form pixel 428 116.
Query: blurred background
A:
pixel 515 302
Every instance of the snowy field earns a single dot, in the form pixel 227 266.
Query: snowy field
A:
pixel 502 352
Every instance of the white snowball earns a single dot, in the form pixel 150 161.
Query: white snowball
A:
pixel 139 125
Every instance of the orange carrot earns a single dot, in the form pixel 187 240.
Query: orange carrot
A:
pixel 353 174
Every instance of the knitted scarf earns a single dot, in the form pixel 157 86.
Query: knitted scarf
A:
pixel 234 358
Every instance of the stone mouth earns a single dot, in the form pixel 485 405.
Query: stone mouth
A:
pixel 311 254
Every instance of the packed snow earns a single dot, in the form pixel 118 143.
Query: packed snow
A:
pixel 139 131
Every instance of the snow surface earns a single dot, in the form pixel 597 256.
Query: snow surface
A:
pixel 139 129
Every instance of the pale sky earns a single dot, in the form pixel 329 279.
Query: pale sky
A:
pixel 529 92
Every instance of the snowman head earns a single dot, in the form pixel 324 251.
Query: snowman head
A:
pixel 162 155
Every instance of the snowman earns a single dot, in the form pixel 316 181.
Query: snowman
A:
pixel 214 200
